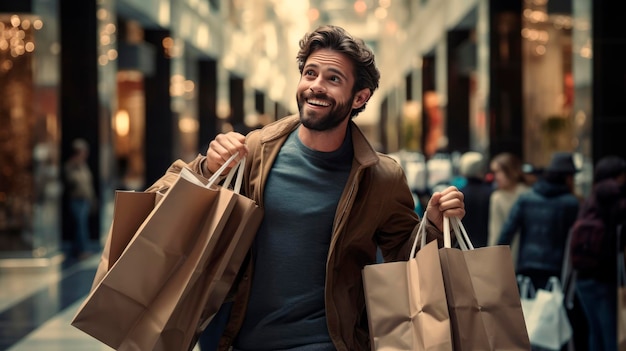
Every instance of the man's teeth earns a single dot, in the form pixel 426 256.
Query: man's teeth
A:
pixel 318 102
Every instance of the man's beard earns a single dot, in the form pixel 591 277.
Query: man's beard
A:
pixel 314 120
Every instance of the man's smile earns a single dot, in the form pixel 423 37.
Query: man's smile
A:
pixel 316 102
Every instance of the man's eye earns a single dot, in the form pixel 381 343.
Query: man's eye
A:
pixel 335 78
pixel 309 73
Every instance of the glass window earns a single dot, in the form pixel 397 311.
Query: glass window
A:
pixel 548 93
pixel 30 189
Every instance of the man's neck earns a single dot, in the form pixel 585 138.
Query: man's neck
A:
pixel 324 141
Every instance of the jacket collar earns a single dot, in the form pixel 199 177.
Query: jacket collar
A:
pixel 364 152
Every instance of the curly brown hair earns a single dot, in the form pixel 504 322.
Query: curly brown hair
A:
pixel 338 39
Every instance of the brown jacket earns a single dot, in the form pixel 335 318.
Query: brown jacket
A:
pixel 376 208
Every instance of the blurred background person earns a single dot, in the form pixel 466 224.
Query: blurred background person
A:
pixel 509 184
pixel 434 139
pixel 543 217
pixel 81 195
pixel 477 192
pixel 597 270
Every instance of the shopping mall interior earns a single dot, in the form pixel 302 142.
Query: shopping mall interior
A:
pixel 148 82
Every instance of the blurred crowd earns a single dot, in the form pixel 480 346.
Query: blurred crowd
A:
pixel 535 211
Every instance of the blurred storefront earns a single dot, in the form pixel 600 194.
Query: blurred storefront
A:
pixel 526 76
pixel 30 187
pixel 146 82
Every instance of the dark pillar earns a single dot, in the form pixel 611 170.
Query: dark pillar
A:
pixel 428 73
pixel 281 111
pixel 457 126
pixel 384 117
pixel 160 121
pixel 235 87
pixel 505 97
pixel 79 92
pixel 259 102
pixel 207 103
pixel 609 79
pixel 408 84
pixel 428 86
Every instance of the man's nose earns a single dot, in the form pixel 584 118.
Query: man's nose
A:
pixel 317 86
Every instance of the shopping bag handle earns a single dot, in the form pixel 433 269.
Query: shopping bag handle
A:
pixel 527 289
pixel 238 168
pixel 219 172
pixel 554 285
pixel 421 234
pixel 459 231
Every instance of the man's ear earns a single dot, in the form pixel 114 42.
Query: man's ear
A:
pixel 360 98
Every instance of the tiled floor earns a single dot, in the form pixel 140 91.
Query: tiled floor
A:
pixel 36 308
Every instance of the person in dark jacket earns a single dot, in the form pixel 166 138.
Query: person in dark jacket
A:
pixel 597 287
pixel 543 217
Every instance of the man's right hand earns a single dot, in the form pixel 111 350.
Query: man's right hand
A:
pixel 222 148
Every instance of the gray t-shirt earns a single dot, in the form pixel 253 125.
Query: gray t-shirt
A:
pixel 286 310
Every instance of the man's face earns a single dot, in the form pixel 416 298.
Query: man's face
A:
pixel 324 94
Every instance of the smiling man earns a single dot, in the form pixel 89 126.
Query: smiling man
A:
pixel 330 200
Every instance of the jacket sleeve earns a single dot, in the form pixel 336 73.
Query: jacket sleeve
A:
pixel 394 237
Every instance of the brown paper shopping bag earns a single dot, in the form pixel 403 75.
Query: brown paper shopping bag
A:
pixel 406 302
pixel 482 293
pixel 130 209
pixel 130 307
pixel 208 293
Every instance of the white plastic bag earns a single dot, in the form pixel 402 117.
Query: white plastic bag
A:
pixel 547 322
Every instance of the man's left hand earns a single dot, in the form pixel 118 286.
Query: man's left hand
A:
pixel 449 202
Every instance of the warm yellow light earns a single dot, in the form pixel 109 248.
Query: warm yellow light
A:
pixel 110 28
pixel 103 60
pixel 313 14
pixel 102 14
pixel 391 27
pixel 168 43
pixel 177 85
pixel 360 6
pixel 380 13
pixel 121 123
pixel 15 20
pixel 189 86
pixel 6 65
pixel 223 109
pixel 105 40
pixel 188 125
pixel 112 54
pixel 540 50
